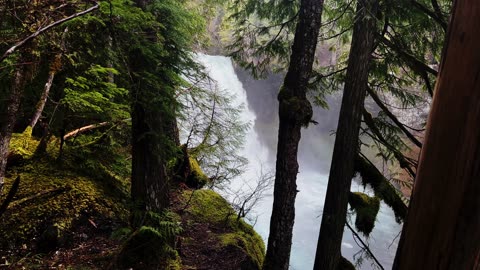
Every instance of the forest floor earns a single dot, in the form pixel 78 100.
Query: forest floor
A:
pixel 74 215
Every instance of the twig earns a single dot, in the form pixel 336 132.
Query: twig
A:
pixel 365 246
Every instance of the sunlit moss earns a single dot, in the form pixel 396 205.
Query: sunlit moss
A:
pixel 197 177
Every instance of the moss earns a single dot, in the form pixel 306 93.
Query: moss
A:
pixel 23 143
pixel 53 197
pixel 382 188
pixel 252 244
pixel 345 264
pixel 209 206
pixel 174 263
pixel 366 208
pixel 147 249
pixel 197 177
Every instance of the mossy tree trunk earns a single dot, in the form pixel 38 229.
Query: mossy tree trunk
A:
pixel 295 111
pixel 328 252
pixel 10 116
pixel 442 227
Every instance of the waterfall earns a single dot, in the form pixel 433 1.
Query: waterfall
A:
pixel 312 183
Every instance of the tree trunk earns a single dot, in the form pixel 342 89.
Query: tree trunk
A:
pixel 346 143
pixel 149 178
pixel 55 66
pixel 442 228
pixel 6 125
pixel 295 111
pixel 43 99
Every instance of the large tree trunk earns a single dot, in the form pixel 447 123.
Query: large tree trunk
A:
pixel 443 224
pixel 7 124
pixel 149 177
pixel 346 143
pixel 295 111
pixel 150 125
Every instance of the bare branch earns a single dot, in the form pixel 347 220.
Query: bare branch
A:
pixel 364 245
pixel 44 29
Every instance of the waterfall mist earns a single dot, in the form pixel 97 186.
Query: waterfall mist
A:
pixel 315 151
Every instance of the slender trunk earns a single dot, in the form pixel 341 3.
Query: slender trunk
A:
pixel 55 66
pixel 442 228
pixel 346 143
pixel 6 127
pixel 295 111
pixel 43 99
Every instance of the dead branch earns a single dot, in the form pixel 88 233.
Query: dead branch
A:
pixel 83 129
pixel 44 29
pixel 364 246
pixel 11 193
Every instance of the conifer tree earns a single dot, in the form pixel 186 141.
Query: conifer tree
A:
pixel 295 112
pixel 346 141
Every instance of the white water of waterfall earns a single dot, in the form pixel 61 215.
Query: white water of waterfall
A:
pixel 311 183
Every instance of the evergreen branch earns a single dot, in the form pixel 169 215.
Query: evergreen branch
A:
pixel 402 160
pixel 44 29
pixel 415 64
pixel 393 117
pixel 435 15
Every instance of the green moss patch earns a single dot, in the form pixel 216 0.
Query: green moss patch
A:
pixel 197 177
pixel 207 206
pixel 52 198
pixel 148 248
pixel 382 188
pixel 366 208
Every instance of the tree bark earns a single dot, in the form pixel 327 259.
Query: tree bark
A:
pixel 6 126
pixel 55 66
pixel 295 111
pixel 149 126
pixel 43 99
pixel 328 252
pixel 442 228
pixel 149 177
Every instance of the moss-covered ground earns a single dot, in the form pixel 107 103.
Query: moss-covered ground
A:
pixel 207 215
pixel 71 211
pixel 58 202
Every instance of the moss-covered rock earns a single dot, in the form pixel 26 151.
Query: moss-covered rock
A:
pixel 147 249
pixel 196 178
pixel 366 208
pixel 207 206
